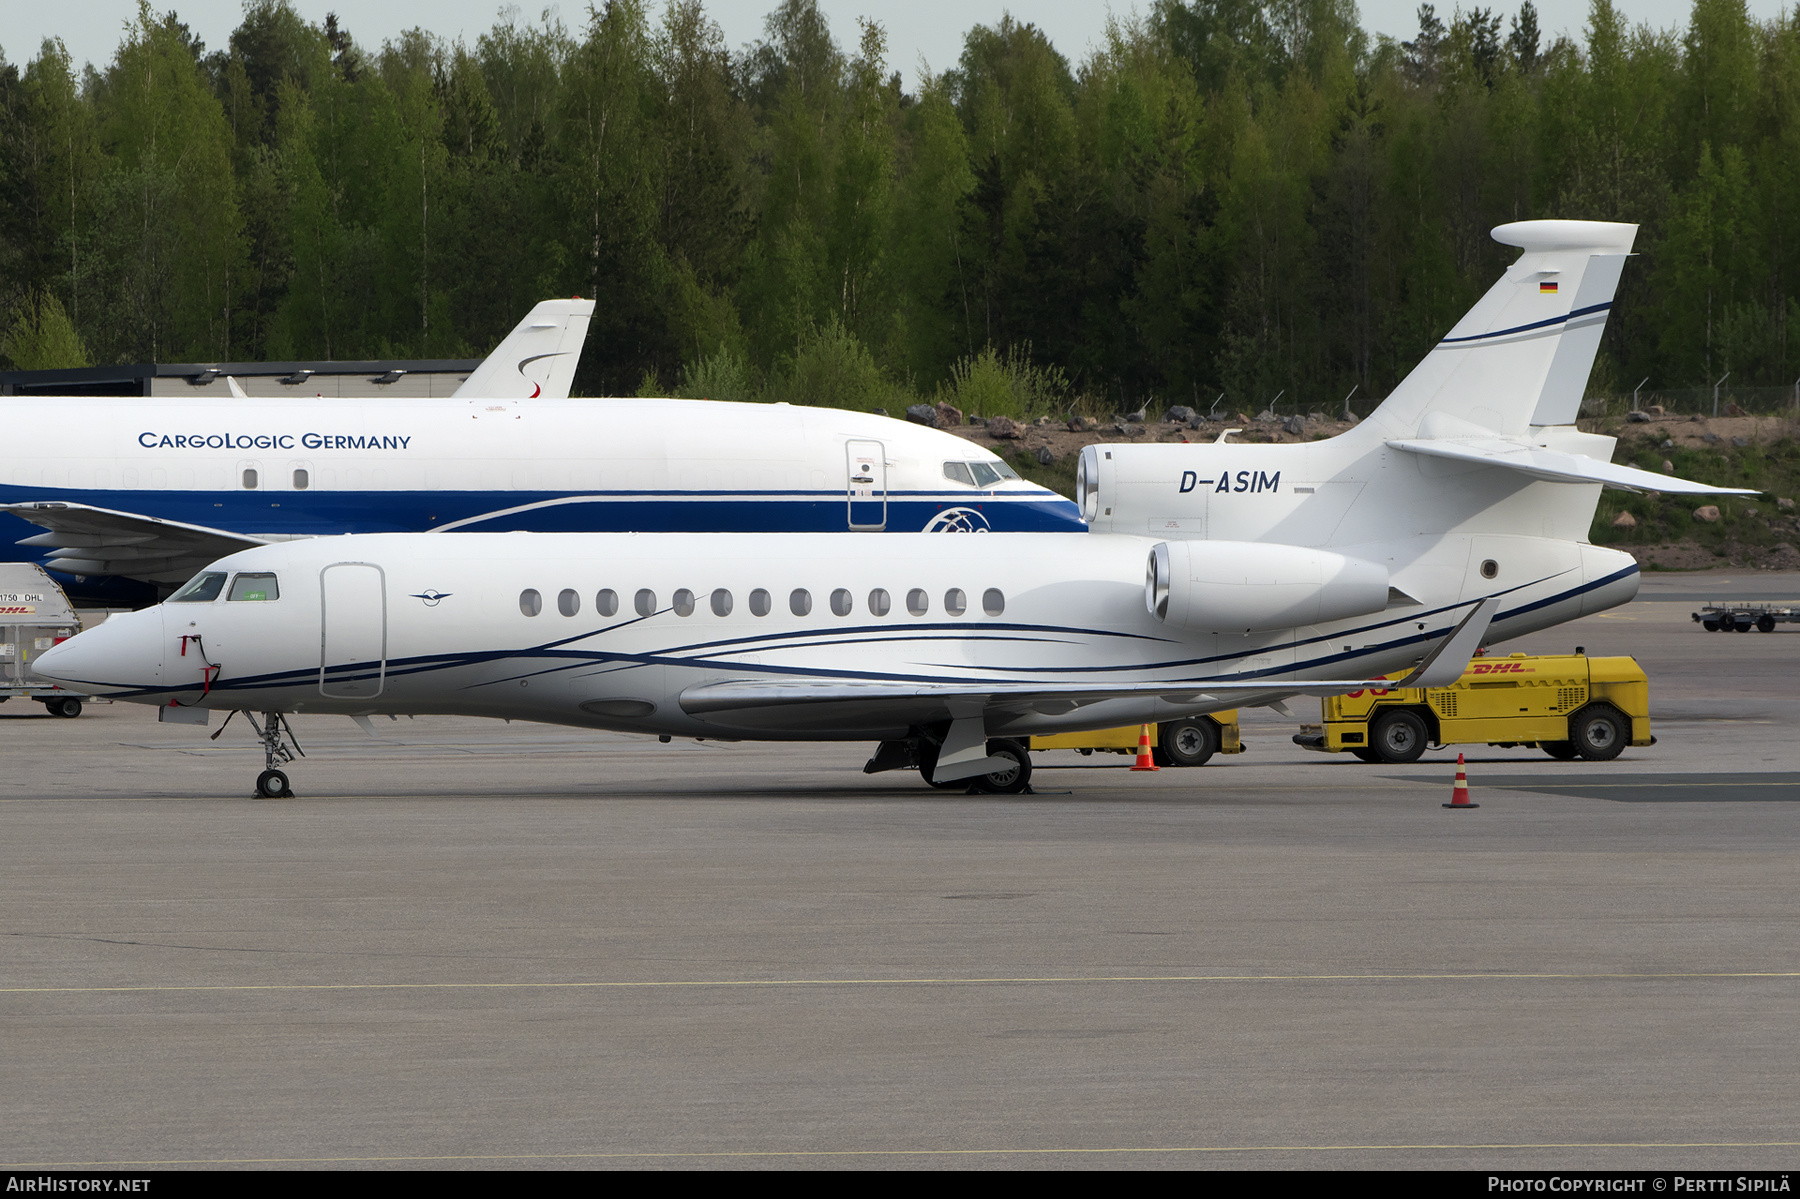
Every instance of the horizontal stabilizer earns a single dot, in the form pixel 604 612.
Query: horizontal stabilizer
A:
pixel 85 540
pixel 1556 466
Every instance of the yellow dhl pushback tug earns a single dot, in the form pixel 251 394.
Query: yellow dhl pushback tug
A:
pixel 1564 704
pixel 1187 742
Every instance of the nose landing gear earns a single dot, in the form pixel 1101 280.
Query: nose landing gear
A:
pixel 276 737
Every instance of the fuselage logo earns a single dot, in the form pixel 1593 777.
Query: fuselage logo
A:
pixel 431 596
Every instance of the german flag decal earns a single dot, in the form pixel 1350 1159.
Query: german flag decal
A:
pixel 1546 288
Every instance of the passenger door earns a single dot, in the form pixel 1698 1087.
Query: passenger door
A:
pixel 867 485
pixel 353 632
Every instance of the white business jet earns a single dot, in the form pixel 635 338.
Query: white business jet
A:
pixel 945 650
pixel 153 489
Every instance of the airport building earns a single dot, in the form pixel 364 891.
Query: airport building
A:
pixel 411 378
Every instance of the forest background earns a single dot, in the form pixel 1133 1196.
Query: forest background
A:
pixel 1230 203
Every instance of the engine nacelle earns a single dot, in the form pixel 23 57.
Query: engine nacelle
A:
pixel 1248 587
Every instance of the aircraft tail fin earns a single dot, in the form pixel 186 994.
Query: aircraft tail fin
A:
pixel 538 358
pixel 1521 356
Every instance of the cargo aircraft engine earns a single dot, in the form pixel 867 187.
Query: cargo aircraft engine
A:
pixel 1244 587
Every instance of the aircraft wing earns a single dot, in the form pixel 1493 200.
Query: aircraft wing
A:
pixel 84 540
pixel 1556 466
pixel 785 703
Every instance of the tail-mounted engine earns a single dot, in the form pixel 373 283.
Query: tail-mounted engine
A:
pixel 1242 587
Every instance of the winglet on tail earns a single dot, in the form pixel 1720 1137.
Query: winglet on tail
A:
pixel 1445 664
pixel 1521 356
pixel 538 358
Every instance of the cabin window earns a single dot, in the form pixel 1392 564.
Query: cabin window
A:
pixel 800 602
pixel 530 602
pixel 879 602
pixel 760 603
pixel 203 588
pixel 958 472
pixel 917 602
pixel 955 602
pixel 607 602
pixel 645 602
pixel 249 478
pixel 568 602
pixel 684 602
pixel 721 602
pixel 248 586
pixel 1489 569
pixel 842 602
pixel 302 480
pixel 992 602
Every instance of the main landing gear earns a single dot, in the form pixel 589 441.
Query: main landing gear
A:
pixel 276 736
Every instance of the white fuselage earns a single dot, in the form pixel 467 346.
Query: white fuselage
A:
pixel 516 626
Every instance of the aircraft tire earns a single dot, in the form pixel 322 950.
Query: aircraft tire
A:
pixel 1190 742
pixel 1562 751
pixel 1398 737
pixel 272 784
pixel 1010 781
pixel 1599 733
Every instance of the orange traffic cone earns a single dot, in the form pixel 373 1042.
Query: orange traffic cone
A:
pixel 1459 797
pixel 1144 761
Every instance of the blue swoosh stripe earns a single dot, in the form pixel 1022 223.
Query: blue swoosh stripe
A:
pixel 1543 324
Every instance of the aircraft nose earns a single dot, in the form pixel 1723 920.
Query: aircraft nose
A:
pixel 122 654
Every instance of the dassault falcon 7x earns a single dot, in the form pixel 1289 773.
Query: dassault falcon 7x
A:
pixel 1423 540
pixel 150 490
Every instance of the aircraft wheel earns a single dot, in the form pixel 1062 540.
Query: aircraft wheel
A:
pixel 1187 742
pixel 1599 733
pixel 1562 751
pixel 1010 780
pixel 1365 755
pixel 1765 624
pixel 928 763
pixel 1399 737
pixel 272 784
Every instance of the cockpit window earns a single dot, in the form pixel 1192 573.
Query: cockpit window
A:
pixel 248 586
pixel 979 474
pixel 203 588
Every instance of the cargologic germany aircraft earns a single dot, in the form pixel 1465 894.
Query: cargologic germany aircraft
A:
pixel 153 489
pixel 947 651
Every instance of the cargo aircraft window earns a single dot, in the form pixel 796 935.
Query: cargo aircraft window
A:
pixel 684 602
pixel 568 602
pixel 800 602
pixel 249 586
pixel 204 588
pixel 841 603
pixel 249 479
pixel 645 602
pixel 879 603
pixel 607 602
pixel 301 480
pixel 992 602
pixel 721 602
pixel 759 602
pixel 958 472
pixel 530 602
pixel 917 602
pixel 955 602
pixel 985 475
